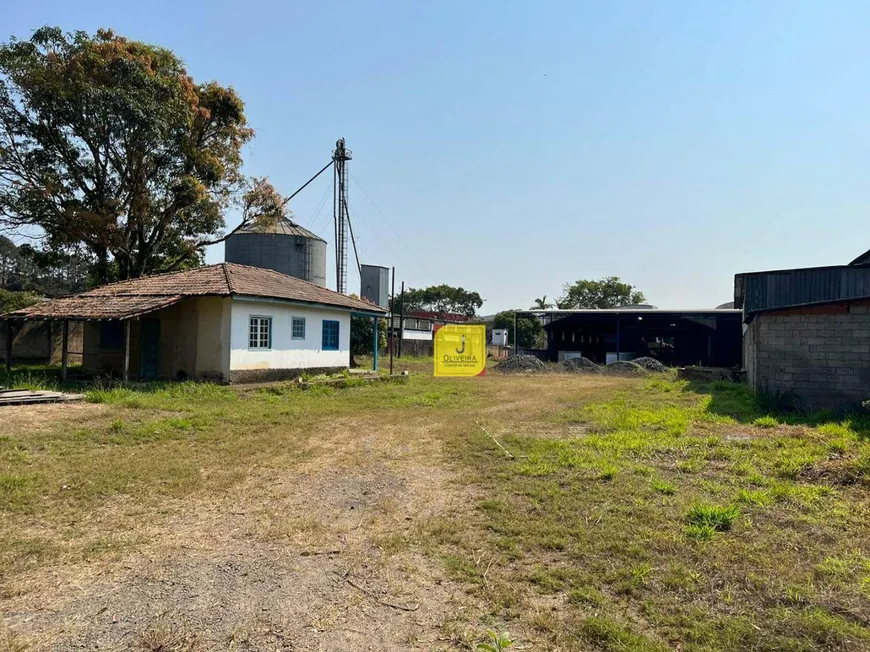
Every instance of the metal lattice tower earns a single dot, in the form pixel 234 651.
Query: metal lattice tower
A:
pixel 340 157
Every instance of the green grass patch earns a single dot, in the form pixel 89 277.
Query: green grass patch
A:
pixel 718 517
pixel 663 487
pixel 765 422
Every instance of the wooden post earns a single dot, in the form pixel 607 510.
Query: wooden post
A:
pixel 10 333
pixel 516 336
pixel 64 350
pixel 127 351
pixel 375 321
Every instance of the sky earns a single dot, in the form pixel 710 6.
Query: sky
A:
pixel 510 147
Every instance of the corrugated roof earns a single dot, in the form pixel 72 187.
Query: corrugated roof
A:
pixel 127 299
pixel 283 226
pixel 632 311
pixel 772 290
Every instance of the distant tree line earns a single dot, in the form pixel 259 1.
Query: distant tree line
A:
pixel 442 300
pixel 24 268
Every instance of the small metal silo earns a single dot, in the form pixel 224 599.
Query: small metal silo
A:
pixel 283 247
pixel 375 284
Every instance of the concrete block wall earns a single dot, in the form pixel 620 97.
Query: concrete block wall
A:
pixel 821 353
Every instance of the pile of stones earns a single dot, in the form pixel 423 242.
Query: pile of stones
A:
pixel 650 364
pixel 520 364
pixel 581 366
pixel 624 368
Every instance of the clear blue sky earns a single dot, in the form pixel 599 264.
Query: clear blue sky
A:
pixel 515 146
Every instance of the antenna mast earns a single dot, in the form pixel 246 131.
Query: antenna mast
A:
pixel 340 157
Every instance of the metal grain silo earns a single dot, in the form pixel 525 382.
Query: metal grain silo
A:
pixel 284 247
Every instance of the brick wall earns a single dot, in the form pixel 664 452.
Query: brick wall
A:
pixel 822 353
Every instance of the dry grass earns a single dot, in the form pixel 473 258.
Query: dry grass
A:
pixel 244 514
pixel 164 635
pixel 12 642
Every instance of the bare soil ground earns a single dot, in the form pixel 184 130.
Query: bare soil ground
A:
pixel 385 517
pixel 288 559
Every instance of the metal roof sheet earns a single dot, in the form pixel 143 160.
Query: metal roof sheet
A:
pixel 283 226
pixel 633 311
pixel 775 289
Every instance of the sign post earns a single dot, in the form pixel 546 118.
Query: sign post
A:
pixel 460 350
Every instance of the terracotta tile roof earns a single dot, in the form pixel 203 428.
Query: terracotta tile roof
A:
pixel 80 307
pixel 127 299
pixel 257 282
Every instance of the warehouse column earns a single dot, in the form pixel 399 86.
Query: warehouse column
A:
pixel 618 348
pixel 375 321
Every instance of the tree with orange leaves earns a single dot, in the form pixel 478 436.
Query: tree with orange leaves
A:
pixel 109 147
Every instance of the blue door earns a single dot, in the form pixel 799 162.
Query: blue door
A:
pixel 150 348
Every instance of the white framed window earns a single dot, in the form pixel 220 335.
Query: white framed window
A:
pixel 260 333
pixel 297 328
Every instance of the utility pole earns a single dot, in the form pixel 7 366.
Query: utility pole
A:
pixel 392 315
pixel 340 157
pixel 402 319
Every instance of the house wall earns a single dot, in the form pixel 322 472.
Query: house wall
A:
pixel 822 353
pixel 287 357
pixel 99 361
pixel 194 342
pixel 213 338
pixel 42 341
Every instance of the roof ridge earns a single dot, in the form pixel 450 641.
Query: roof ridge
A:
pixel 144 276
pixel 300 280
pixel 273 271
pixel 230 287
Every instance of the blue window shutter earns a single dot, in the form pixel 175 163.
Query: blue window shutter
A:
pixel 330 335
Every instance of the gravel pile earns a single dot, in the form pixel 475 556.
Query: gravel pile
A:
pixel 521 363
pixel 624 368
pixel 581 366
pixel 650 364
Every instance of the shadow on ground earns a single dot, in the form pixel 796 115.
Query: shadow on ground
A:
pixel 737 401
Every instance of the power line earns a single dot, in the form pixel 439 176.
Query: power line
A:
pixel 392 228
pixel 319 207
pixel 353 240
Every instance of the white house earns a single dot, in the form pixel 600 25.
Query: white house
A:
pixel 226 322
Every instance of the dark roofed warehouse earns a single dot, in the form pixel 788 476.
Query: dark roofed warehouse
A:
pixel 676 337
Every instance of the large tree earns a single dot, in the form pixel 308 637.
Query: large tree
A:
pixel 361 335
pixel 542 304
pixel 529 328
pixel 443 300
pixel 108 145
pixel 608 292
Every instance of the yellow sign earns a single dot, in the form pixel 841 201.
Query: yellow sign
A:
pixel 460 350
